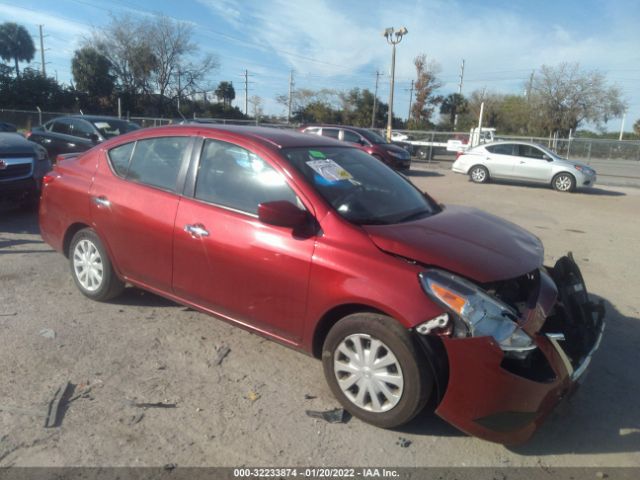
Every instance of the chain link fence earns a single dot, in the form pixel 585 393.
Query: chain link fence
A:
pixel 611 158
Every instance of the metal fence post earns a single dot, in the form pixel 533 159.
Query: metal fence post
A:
pixel 431 148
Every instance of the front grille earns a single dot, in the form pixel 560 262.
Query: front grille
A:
pixel 20 170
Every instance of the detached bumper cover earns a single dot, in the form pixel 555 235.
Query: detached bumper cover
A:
pixel 503 399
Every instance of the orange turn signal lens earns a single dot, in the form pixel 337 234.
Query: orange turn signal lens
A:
pixel 452 299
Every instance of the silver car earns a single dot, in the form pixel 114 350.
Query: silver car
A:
pixel 523 161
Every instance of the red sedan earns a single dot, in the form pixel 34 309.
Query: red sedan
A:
pixel 314 243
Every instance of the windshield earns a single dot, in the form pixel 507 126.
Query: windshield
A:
pixel 373 137
pixel 109 128
pixel 359 187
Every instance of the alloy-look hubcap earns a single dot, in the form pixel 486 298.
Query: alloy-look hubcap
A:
pixel 478 175
pixel 368 373
pixel 563 183
pixel 87 264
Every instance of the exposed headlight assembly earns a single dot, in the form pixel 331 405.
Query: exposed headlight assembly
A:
pixel 476 313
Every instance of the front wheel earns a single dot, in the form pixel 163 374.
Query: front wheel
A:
pixel 564 182
pixel 479 174
pixel 375 370
pixel 91 268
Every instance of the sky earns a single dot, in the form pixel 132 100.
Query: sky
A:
pixel 338 44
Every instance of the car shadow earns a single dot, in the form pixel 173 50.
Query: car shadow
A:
pixel 586 191
pixel 604 414
pixel 422 173
pixel 16 220
pixel 135 297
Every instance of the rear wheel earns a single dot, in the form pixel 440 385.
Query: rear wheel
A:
pixel 479 174
pixel 564 182
pixel 91 268
pixel 375 369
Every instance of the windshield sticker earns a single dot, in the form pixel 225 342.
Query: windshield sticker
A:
pixel 329 170
pixel 316 154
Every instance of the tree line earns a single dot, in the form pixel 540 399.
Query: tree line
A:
pixel 153 67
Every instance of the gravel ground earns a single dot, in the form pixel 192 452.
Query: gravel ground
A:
pixel 250 409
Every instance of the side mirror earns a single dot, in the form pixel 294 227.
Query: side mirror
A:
pixel 547 158
pixel 282 214
pixel 95 139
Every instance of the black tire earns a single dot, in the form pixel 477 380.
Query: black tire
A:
pixel 417 379
pixel 109 286
pixel 564 182
pixel 479 174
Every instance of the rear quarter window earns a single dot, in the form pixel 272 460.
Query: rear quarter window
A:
pixel 119 158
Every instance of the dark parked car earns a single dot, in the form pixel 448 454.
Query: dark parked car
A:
pixel 78 133
pixel 7 127
pixel 316 244
pixel 22 166
pixel 369 141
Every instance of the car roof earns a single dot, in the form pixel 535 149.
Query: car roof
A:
pixel 347 127
pixel 92 118
pixel 274 137
pixel 517 142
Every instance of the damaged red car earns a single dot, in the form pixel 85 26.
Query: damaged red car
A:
pixel 317 245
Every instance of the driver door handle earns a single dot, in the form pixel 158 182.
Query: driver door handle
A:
pixel 196 230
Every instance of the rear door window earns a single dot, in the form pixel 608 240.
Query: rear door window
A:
pixel 61 126
pixel 348 136
pixel 330 132
pixel 155 161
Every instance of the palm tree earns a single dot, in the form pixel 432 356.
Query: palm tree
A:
pixel 452 105
pixel 16 44
pixel 225 92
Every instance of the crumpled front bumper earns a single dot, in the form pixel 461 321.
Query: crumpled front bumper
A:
pixel 505 399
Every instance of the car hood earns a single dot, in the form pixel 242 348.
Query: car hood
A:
pixel 15 144
pixel 463 240
pixel 392 148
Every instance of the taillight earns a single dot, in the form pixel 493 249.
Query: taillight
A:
pixel 27 134
pixel 458 154
pixel 47 179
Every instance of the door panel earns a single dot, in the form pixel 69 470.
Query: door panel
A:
pixel 500 160
pixel 136 220
pixel 229 262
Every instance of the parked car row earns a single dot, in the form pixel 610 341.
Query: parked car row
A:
pixel 314 243
pixel 367 140
pixel 23 162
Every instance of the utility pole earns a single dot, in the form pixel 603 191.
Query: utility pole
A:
pixel 389 34
pixel 461 77
pixel 290 96
pixel 246 92
pixel 455 117
pixel 530 86
pixel 44 71
pixel 179 89
pixel 375 101
pixel 624 117
pixel 410 100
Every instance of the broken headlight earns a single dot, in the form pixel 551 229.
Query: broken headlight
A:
pixel 476 313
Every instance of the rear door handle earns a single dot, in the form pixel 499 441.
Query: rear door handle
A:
pixel 101 201
pixel 197 230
